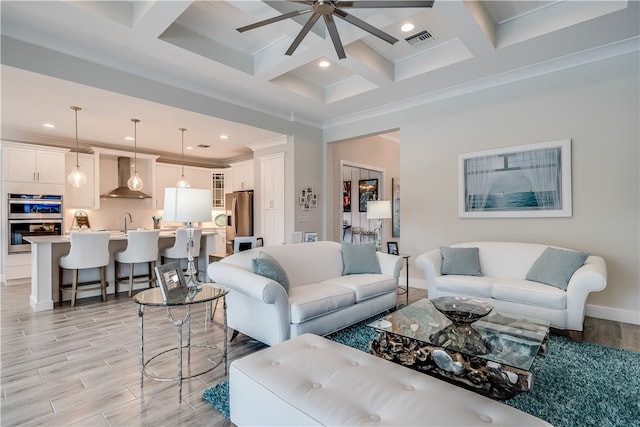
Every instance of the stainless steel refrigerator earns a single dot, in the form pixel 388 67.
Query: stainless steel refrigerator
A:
pixel 239 209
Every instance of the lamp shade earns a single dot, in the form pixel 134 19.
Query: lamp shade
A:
pixel 379 209
pixel 187 204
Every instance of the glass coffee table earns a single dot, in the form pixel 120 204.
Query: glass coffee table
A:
pixel 492 356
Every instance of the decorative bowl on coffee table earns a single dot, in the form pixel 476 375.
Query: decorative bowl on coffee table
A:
pixel 462 310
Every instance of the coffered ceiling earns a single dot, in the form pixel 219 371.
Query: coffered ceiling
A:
pixel 455 47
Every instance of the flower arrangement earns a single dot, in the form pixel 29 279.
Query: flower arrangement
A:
pixel 156 221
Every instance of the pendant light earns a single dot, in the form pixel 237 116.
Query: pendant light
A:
pixel 182 182
pixel 135 182
pixel 77 178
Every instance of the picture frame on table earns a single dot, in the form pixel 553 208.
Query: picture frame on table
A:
pixel 171 280
pixel 392 248
pixel 310 236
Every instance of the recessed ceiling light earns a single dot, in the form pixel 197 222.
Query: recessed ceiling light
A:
pixel 324 63
pixel 407 27
pixel 224 136
pixel 48 125
pixel 128 138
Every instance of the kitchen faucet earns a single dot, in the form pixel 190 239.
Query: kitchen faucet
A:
pixel 125 221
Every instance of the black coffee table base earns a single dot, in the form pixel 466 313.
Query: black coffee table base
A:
pixel 490 379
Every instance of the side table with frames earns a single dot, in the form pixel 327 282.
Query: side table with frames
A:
pixel 215 356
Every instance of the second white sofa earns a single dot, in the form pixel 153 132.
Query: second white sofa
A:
pixel 501 279
pixel 320 298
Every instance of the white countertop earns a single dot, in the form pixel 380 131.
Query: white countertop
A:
pixel 113 235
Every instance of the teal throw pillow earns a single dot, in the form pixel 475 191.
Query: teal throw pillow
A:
pixel 267 266
pixel 556 266
pixel 359 258
pixel 460 261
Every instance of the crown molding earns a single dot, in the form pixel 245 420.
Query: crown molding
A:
pixel 569 61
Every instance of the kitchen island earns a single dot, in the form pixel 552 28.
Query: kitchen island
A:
pixel 47 250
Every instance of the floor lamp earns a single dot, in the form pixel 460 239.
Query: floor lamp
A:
pixel 188 205
pixel 378 210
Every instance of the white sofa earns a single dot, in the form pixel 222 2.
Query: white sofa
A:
pixel 320 300
pixel 504 266
pixel 310 380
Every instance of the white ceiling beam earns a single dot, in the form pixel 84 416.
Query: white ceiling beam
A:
pixel 366 62
pixel 154 17
pixel 470 23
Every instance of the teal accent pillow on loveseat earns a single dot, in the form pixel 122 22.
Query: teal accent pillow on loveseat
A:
pixel 556 266
pixel 461 261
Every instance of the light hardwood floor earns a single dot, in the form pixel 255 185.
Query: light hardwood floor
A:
pixel 80 366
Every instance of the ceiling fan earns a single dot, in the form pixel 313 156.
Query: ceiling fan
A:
pixel 328 9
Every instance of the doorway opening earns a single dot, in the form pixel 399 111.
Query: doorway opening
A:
pixel 360 184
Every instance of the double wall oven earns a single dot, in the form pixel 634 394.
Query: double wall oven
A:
pixel 32 215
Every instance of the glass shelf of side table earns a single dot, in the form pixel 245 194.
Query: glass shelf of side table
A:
pixel 153 297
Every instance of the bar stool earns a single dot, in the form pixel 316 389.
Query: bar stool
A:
pixel 142 246
pixel 179 248
pixel 88 249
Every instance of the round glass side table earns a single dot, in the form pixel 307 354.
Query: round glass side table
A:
pixel 216 356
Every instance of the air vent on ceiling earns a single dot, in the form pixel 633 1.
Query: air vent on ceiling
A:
pixel 419 38
pixel 203 146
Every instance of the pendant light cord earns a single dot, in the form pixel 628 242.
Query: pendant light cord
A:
pixel 182 130
pixel 76 113
pixel 135 145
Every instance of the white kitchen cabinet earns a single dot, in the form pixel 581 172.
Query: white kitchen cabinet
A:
pixel 86 196
pixel 272 198
pixel 220 246
pixel 168 174
pixel 17 268
pixel 197 177
pixel 34 164
pixel 242 175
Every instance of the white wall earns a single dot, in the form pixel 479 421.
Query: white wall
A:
pixel 596 105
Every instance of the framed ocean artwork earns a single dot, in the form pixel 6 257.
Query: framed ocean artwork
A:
pixel 532 180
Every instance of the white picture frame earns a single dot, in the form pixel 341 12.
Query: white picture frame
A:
pixel 532 180
pixel 310 236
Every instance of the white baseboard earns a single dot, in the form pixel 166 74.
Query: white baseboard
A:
pixel 597 311
pixel 611 313
pixel 41 305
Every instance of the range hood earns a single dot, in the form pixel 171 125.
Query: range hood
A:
pixel 123 192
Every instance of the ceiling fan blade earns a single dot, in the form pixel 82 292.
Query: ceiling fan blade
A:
pixel 363 25
pixel 335 37
pixel 301 35
pixel 384 4
pixel 274 19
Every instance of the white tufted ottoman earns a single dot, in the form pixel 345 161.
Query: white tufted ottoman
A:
pixel 310 380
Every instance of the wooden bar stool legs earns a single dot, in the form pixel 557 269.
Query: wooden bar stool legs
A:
pixel 130 280
pixel 73 287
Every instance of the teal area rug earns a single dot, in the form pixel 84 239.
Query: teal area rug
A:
pixel 574 385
